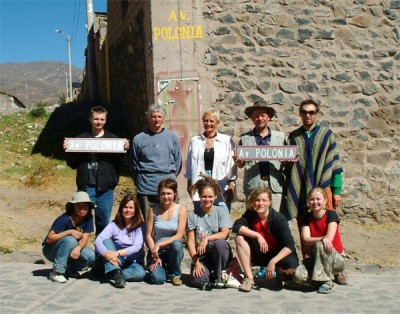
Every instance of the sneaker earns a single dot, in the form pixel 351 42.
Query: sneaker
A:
pixel 117 279
pixel 247 285
pixel 57 277
pixel 219 284
pixel 341 279
pixel 326 287
pixel 176 281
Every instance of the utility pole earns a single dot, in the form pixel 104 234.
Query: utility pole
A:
pixel 91 61
pixel 69 62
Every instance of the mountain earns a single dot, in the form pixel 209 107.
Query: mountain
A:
pixel 33 82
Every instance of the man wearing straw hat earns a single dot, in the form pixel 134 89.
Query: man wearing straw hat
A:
pixel 262 173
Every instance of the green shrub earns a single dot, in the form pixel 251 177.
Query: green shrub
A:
pixel 37 112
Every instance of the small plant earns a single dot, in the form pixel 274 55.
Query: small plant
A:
pixel 39 110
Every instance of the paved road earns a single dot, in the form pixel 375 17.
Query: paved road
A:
pixel 24 288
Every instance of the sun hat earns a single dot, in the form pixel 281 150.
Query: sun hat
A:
pixel 80 197
pixel 260 105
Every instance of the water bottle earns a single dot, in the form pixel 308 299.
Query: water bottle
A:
pixel 262 271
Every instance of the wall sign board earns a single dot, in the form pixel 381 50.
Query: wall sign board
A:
pixel 266 152
pixel 96 145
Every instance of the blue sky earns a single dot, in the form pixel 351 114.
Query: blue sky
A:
pixel 27 30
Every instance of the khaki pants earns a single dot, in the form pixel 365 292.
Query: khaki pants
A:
pixel 321 267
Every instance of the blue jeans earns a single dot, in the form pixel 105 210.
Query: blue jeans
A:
pixel 130 270
pixel 59 253
pixel 171 257
pixel 104 204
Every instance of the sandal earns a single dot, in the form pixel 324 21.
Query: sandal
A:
pixel 326 287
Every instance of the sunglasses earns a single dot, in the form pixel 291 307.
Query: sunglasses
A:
pixel 305 112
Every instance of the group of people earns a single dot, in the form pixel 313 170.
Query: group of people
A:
pixel 307 188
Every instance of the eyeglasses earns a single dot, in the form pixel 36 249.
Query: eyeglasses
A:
pixel 305 112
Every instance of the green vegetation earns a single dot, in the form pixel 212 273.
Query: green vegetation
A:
pixel 18 135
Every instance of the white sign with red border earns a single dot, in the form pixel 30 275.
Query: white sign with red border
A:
pixel 266 152
pixel 95 145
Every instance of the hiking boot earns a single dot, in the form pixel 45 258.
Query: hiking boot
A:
pixel 57 277
pixel 117 279
pixel 176 281
pixel 247 285
pixel 341 279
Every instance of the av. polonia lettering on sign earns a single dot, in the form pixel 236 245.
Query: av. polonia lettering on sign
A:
pixel 96 145
pixel 266 152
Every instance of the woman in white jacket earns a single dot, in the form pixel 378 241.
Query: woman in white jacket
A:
pixel 211 153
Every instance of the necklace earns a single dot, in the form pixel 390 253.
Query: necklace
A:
pixel 215 135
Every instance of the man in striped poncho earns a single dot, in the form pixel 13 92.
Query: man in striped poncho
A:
pixel 318 165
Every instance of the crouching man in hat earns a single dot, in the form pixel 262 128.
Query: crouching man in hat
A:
pixel 262 173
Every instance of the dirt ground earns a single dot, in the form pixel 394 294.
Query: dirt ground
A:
pixel 27 214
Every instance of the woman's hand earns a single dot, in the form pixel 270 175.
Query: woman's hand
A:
pixel 76 234
pixel 263 244
pixel 198 269
pixel 154 264
pixel 75 253
pixel 201 249
pixel 154 252
pixel 269 273
pixel 239 162
pixel 112 257
pixel 328 246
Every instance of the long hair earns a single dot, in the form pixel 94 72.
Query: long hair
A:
pixel 137 219
pixel 168 183
pixel 206 182
pixel 256 193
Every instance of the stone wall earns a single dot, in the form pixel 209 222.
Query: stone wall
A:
pixel 345 55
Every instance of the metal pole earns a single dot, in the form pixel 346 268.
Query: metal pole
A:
pixel 69 62
pixel 66 84
pixel 70 70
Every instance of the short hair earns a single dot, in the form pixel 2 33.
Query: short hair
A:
pixel 155 108
pixel 319 190
pixel 212 112
pixel 98 109
pixel 256 193
pixel 309 102
pixel 137 217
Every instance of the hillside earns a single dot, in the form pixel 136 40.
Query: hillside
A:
pixel 33 82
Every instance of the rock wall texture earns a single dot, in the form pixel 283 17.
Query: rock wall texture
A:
pixel 345 55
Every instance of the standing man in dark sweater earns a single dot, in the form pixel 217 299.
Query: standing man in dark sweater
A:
pixel 156 155
pixel 97 173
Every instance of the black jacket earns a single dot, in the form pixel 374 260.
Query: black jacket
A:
pixel 109 165
pixel 277 226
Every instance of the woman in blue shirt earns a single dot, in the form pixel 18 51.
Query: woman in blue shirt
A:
pixel 166 225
